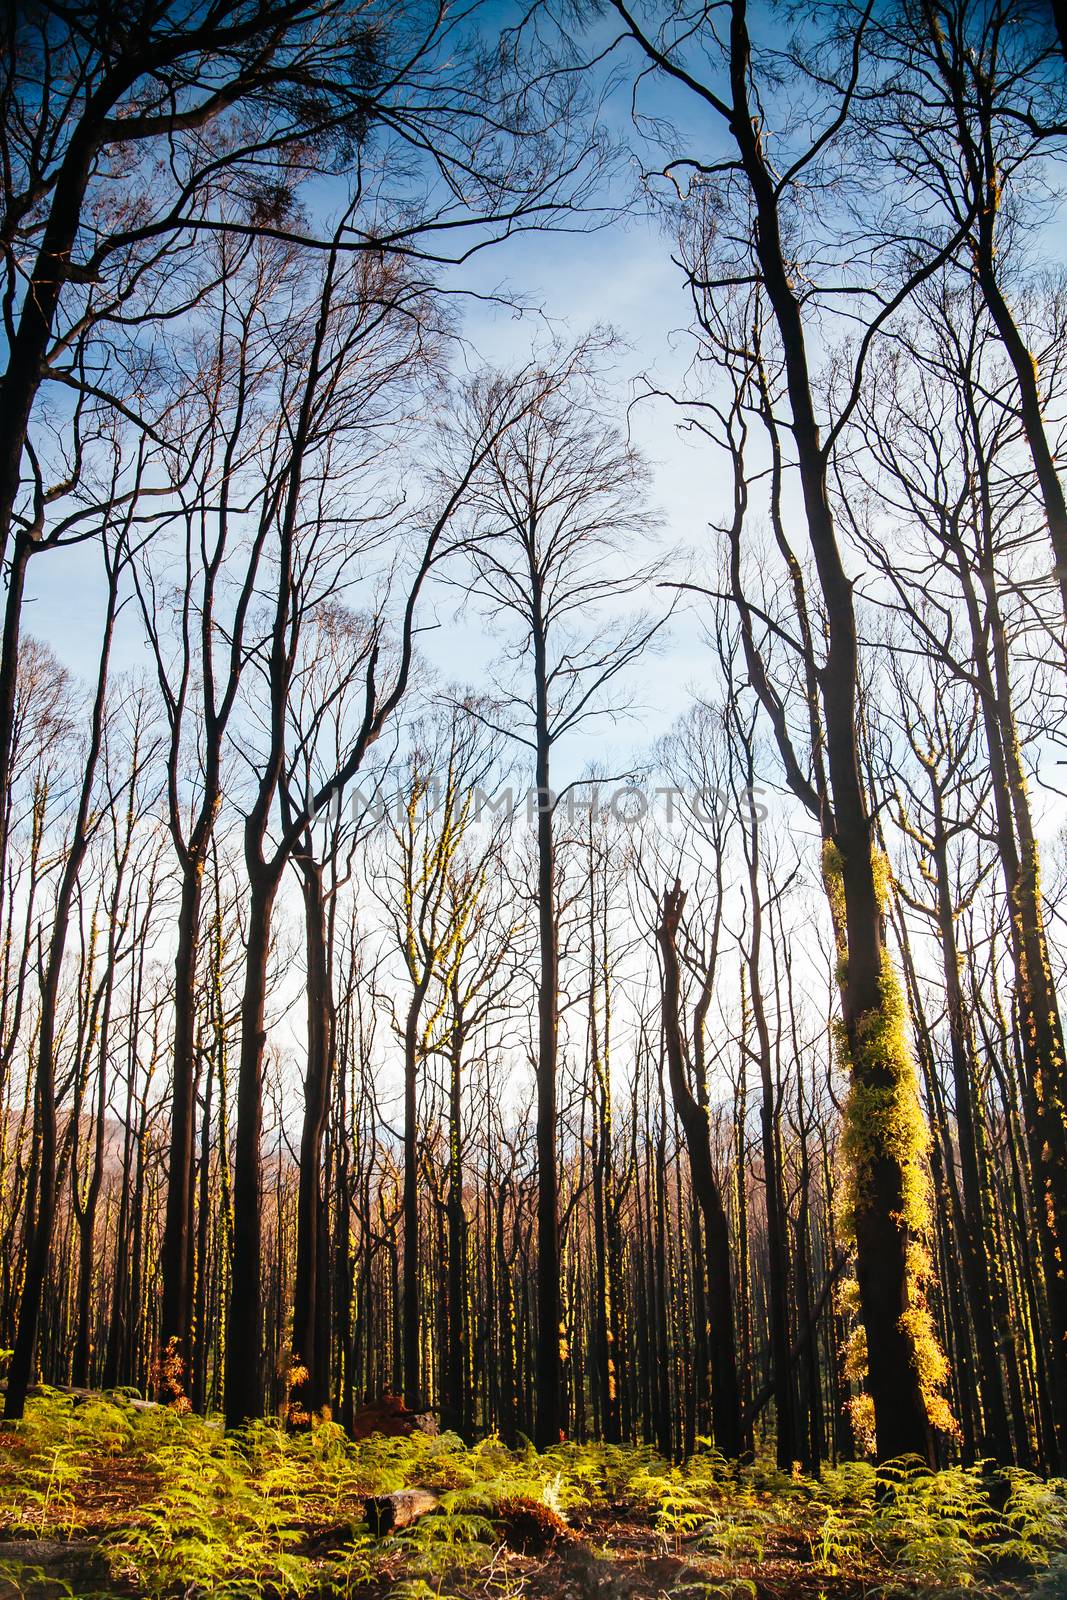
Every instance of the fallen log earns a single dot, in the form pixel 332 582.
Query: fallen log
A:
pixel 115 1397
pixel 50 1569
pixel 387 1513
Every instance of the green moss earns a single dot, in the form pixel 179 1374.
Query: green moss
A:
pixel 883 1116
pixel 833 877
pixel 883 878
pixel 883 1119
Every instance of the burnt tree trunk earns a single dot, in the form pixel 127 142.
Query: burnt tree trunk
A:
pixel 244 1394
pixel 549 1366
pixel 311 1393
pixel 40 1225
pixel 726 1400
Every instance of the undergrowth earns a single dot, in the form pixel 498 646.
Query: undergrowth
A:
pixel 177 1508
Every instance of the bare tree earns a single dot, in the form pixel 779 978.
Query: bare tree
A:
pixel 435 810
pixel 42 1209
pixel 760 277
pixel 214 120
pixel 552 514
pixel 978 118
pixel 315 546
pixel 954 490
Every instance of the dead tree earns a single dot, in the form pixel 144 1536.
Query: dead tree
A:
pixel 556 500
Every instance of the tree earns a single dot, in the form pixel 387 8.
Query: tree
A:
pixel 726 1400
pixel 312 555
pixel 435 810
pixel 215 119
pixel 979 114
pixel 939 811
pixel 41 1217
pixel 559 498
pixel 196 615
pixel 325 695
pixel 756 177
pixel 955 485
pixel 697 841
pixel 92 96
pixel 740 735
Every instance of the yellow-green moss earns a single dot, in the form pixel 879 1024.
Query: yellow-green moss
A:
pixel 882 1111
pixel 861 1406
pixel 833 877
pixel 834 884
pixel 883 1117
pixel 883 878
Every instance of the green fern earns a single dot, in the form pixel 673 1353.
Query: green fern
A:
pixel 264 1513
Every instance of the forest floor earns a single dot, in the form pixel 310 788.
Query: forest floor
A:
pixel 100 1499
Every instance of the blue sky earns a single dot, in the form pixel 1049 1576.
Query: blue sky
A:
pixel 571 282
pixel 621 275
pixel 624 277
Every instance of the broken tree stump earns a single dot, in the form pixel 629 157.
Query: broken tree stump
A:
pixel 530 1526
pixel 391 1417
pixel 387 1513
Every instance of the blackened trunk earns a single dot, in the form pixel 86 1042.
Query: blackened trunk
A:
pixel 245 1394
pixel 40 1225
pixel 726 1401
pixel 457 1387
pixel 81 1371
pixel 1041 1036
pixel 549 1367
pixel 509 1404
pixel 410 1294
pixel 203 1232
pixel 311 1393
pixel 980 1288
pixel 115 1358
pixel 176 1260
pixel 777 1244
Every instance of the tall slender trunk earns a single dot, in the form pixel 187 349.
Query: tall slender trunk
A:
pixel 549 1373
pixel 726 1399
pixel 975 1229
pixel 506 1312
pixel 777 1242
pixel 1041 1034
pixel 81 1370
pixel 176 1257
pixel 813 1442
pixel 40 1226
pixel 310 1394
pixel 604 1307
pixel 457 1387
pixel 410 1317
pixel 245 1393
pixel 118 1328
pixel 201 1343
pixel 660 1288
